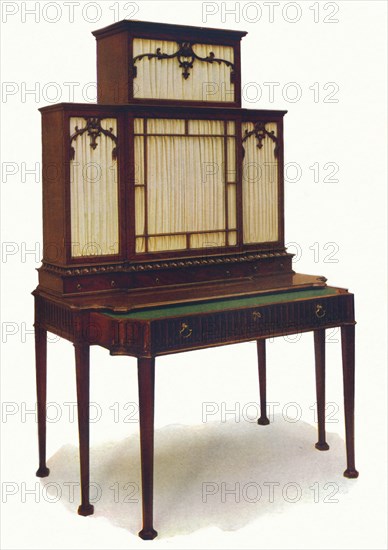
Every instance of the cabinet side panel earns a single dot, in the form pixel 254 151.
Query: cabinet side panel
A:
pixel 112 69
pixel 53 169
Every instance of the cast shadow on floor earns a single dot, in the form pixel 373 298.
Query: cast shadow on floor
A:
pixel 215 474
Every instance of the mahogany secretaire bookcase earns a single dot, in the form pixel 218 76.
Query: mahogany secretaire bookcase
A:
pixel 163 227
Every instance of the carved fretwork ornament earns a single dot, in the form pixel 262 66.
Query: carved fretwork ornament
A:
pixel 186 58
pixel 260 132
pixel 94 129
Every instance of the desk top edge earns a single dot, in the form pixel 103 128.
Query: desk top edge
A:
pixel 122 302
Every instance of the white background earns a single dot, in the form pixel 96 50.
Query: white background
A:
pixel 223 452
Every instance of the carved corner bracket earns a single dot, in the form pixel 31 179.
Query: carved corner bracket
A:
pixel 186 57
pixel 94 129
pixel 260 132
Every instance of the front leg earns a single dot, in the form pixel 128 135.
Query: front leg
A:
pixel 319 346
pixel 146 377
pixel 83 382
pixel 347 340
pixel 41 390
pixel 261 357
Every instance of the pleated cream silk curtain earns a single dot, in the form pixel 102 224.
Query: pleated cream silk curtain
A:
pixel 162 79
pixel 260 188
pixel 180 201
pixel 93 193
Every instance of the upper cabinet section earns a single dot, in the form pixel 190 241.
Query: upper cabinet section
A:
pixel 144 62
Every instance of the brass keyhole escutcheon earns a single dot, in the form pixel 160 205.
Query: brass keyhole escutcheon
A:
pixel 320 311
pixel 185 330
pixel 256 315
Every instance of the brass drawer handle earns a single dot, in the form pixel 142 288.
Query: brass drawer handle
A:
pixel 79 286
pixel 185 329
pixel 256 315
pixel 320 311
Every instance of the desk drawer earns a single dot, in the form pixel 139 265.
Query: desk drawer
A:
pixel 193 331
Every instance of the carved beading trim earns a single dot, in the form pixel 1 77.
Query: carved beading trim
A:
pixel 190 262
pixel 260 132
pixel 186 58
pixel 94 129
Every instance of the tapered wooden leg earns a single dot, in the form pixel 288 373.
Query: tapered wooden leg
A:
pixel 319 346
pixel 347 340
pixel 82 373
pixel 41 390
pixel 263 420
pixel 146 376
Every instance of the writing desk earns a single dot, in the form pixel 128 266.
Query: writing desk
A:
pixel 163 226
pixel 188 324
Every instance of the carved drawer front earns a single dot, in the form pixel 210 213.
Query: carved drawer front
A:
pixel 93 283
pixel 191 331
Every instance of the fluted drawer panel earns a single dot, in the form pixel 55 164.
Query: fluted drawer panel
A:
pixel 58 319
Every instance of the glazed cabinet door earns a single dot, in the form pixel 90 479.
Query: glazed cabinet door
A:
pixel 183 71
pixel 94 190
pixel 261 185
pixel 185 184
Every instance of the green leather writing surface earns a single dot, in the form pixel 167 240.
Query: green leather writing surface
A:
pixel 223 304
